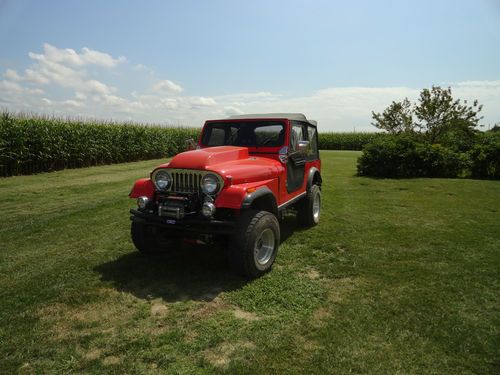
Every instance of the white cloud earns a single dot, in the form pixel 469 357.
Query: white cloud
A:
pixel 15 88
pixel 140 67
pixel 100 58
pixel 62 67
pixel 10 86
pixel 67 81
pixel 73 103
pixel 12 75
pixel 96 86
pixel 167 86
pixel 482 84
pixel 35 76
pixel 35 91
pixel 169 103
pixel 80 95
pixel 202 101
pixel 70 57
pixel 232 111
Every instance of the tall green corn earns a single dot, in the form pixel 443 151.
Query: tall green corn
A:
pixel 31 144
pixel 346 141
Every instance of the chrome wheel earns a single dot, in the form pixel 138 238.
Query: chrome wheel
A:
pixel 264 247
pixel 316 207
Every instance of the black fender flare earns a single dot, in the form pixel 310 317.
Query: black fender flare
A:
pixel 310 178
pixel 259 193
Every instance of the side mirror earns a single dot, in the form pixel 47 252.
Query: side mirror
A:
pixel 303 147
pixel 190 144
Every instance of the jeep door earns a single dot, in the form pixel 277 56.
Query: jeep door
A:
pixel 298 165
pixel 296 162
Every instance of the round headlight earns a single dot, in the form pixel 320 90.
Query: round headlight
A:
pixel 208 209
pixel 163 180
pixel 210 184
pixel 142 202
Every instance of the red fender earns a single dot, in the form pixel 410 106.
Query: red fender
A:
pixel 143 188
pixel 233 195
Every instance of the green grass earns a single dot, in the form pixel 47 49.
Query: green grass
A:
pixel 401 276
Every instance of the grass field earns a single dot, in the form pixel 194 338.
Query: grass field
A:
pixel 401 276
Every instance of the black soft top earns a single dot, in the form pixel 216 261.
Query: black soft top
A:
pixel 288 116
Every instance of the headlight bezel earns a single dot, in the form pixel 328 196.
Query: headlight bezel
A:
pixel 168 177
pixel 215 182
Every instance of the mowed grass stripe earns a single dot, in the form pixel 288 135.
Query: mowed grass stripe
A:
pixel 400 276
pixel 30 200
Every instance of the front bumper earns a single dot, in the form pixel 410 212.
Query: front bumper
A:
pixel 197 224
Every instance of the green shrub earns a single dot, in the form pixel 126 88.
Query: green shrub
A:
pixel 32 144
pixel 439 161
pixel 402 156
pixel 485 156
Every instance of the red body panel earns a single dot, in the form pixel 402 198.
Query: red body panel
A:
pixel 244 169
pixel 250 169
pixel 232 196
pixel 204 158
pixel 239 170
pixel 143 188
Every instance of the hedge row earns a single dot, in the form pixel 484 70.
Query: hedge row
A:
pixel 402 157
pixel 347 141
pixel 32 144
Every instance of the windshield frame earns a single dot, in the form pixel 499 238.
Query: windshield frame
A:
pixel 242 122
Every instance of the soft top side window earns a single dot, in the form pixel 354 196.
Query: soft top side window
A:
pixel 296 135
pixel 312 135
pixel 302 131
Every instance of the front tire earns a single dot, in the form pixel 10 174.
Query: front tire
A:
pixel 310 208
pixel 254 245
pixel 147 239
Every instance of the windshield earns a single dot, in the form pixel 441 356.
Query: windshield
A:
pixel 244 133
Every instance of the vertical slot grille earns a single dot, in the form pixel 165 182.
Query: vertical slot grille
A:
pixel 186 181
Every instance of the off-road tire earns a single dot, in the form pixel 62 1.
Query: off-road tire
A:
pixel 147 241
pixel 248 251
pixel 308 214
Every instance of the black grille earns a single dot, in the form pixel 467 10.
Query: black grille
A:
pixel 186 181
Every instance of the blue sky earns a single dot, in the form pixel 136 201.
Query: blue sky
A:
pixel 186 61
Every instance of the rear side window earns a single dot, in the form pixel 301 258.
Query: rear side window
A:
pixel 302 131
pixel 296 135
pixel 312 133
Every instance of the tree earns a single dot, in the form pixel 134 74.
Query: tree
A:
pixel 438 114
pixel 396 119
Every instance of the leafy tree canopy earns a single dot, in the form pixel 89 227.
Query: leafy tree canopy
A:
pixel 436 115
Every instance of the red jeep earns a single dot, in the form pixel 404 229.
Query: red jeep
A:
pixel 245 172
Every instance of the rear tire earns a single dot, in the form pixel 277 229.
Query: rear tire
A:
pixel 254 245
pixel 147 239
pixel 310 208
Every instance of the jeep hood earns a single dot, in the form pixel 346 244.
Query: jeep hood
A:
pixel 206 157
pixel 228 161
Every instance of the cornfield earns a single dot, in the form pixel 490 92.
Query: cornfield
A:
pixel 346 141
pixel 32 144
